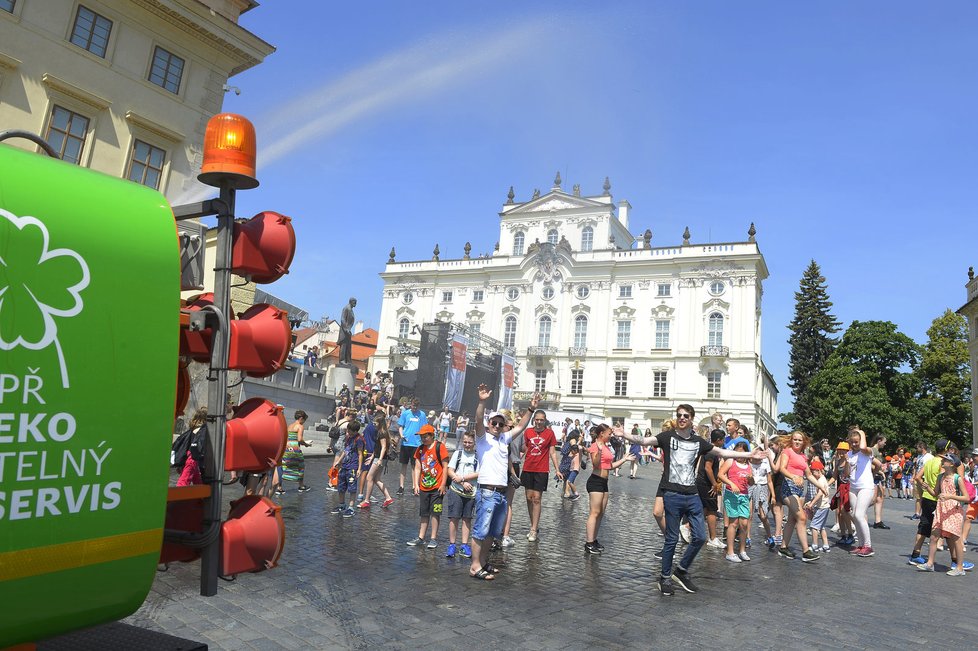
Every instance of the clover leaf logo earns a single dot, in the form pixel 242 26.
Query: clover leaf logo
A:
pixel 37 284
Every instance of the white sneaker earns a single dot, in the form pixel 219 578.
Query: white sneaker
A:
pixel 826 549
pixel 733 558
pixel 743 556
pixel 715 543
pixel 685 533
pixel 835 527
pixel 508 542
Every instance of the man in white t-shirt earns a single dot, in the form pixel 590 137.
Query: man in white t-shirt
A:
pixel 492 450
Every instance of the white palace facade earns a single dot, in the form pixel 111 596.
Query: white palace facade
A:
pixel 599 320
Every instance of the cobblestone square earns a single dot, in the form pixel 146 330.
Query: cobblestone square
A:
pixel 352 583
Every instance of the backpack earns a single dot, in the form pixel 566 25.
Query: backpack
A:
pixel 968 488
pixel 194 443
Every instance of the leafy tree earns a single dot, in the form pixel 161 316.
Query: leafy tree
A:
pixel 811 342
pixel 869 380
pixel 945 379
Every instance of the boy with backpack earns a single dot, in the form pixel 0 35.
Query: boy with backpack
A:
pixel 570 466
pixel 350 464
pixel 430 475
pixel 463 471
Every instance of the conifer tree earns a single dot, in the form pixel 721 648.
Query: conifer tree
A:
pixel 811 342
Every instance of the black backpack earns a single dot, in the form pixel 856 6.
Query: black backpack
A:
pixel 193 442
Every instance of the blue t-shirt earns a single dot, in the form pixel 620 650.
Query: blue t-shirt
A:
pixel 370 438
pixel 411 422
pixel 353 452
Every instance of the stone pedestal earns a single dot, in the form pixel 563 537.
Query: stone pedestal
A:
pixel 339 375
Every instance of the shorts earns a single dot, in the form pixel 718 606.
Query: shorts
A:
pixel 736 505
pixel 407 454
pixel 597 484
pixel 760 497
pixel 431 502
pixel 926 524
pixel 457 506
pixel 789 488
pixel 571 476
pixel 818 520
pixel 709 501
pixel 346 480
pixel 535 481
pixel 367 462
pixel 444 429
pixel 490 514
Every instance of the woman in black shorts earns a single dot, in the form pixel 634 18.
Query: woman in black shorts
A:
pixel 602 461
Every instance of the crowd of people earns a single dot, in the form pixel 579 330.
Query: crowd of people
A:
pixel 718 481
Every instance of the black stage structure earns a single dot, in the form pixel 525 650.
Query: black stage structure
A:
pixel 483 365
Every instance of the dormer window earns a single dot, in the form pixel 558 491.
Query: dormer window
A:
pixel 587 239
pixel 519 243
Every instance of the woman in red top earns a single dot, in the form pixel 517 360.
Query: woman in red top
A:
pixel 602 460
pixel 793 465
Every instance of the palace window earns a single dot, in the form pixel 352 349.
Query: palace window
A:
pixel 659 384
pixel 577 381
pixel 715 329
pixel 167 70
pixel 91 31
pixel 146 164
pixel 67 132
pixel 519 242
pixel 509 332
pixel 624 338
pixel 580 331
pixel 713 384
pixel 662 334
pixel 587 239
pixel 621 383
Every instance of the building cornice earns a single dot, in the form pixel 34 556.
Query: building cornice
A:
pixel 211 29
pixel 153 127
pixel 73 91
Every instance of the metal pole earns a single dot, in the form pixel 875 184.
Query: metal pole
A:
pixel 210 559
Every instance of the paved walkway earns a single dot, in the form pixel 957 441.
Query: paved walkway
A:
pixel 354 584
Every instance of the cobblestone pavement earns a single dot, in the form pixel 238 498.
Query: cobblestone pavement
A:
pixel 354 584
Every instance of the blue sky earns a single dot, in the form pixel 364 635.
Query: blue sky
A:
pixel 845 131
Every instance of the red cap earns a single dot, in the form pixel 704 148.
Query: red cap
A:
pixel 817 464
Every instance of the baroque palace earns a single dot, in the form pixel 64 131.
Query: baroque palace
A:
pixel 599 321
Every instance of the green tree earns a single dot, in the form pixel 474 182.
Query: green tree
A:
pixel 869 380
pixel 811 342
pixel 945 380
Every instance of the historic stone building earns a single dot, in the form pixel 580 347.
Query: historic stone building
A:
pixel 970 311
pixel 124 87
pixel 599 320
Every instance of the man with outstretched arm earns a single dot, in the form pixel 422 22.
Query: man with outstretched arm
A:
pixel 681 451
pixel 492 451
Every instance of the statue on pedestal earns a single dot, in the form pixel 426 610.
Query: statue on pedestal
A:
pixel 345 339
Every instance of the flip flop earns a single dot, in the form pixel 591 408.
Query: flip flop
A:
pixel 491 569
pixel 483 575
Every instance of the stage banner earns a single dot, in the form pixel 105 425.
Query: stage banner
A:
pixel 455 378
pixel 506 382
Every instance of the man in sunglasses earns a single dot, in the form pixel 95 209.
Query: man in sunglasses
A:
pixel 681 452
pixel 492 451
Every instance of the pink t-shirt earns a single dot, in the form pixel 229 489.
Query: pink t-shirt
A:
pixel 797 463
pixel 607 455
pixel 738 474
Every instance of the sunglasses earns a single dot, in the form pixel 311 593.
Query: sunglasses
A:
pixel 683 416
pixel 497 423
